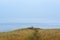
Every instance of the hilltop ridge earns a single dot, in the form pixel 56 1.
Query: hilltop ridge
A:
pixel 31 33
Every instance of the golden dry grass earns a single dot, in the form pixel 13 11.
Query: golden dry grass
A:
pixel 49 34
pixel 23 34
pixel 31 34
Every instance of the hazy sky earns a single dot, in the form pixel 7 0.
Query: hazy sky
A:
pixel 30 11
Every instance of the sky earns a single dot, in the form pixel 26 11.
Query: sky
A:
pixel 30 11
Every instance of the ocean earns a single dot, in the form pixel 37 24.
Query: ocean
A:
pixel 13 26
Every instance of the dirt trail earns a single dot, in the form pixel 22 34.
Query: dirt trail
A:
pixel 35 36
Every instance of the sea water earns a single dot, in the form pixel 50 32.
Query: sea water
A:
pixel 13 26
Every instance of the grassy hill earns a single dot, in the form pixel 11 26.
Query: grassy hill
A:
pixel 49 34
pixel 31 34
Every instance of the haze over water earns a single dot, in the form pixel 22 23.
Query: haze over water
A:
pixel 14 26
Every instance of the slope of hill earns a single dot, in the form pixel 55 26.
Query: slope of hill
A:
pixel 21 34
pixel 49 34
pixel 31 34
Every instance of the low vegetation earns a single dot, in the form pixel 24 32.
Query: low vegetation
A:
pixel 31 34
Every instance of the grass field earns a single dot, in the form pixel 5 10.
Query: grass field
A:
pixel 31 34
